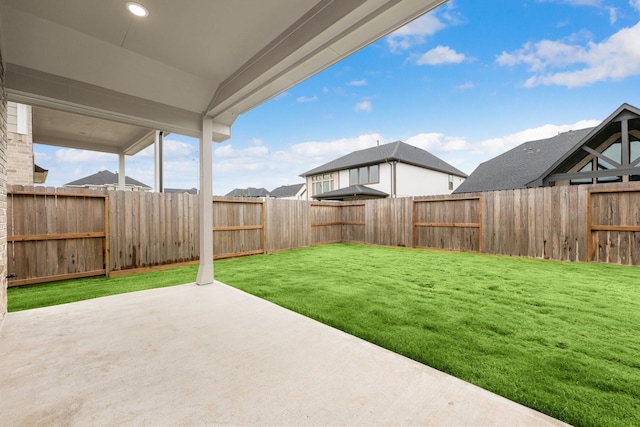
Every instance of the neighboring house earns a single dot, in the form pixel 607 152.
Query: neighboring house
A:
pixel 609 152
pixel 21 169
pixel 181 190
pixel 108 180
pixel 292 192
pixel 248 192
pixel 390 170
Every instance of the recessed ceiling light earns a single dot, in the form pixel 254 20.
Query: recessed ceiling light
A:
pixel 137 9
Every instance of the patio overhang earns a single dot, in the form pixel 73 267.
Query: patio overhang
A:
pixel 187 66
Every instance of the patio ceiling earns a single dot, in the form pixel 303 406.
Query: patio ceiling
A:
pixel 62 129
pixel 187 60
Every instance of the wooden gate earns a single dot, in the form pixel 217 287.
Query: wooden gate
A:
pixel 56 236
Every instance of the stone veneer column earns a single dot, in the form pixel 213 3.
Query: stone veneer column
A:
pixel 19 147
pixel 3 193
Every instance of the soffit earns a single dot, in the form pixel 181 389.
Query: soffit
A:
pixel 187 59
pixel 52 127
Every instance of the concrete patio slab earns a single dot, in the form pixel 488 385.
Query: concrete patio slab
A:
pixel 213 355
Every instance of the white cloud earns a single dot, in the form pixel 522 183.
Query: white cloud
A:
pixel 635 4
pixel 283 95
pixel 615 59
pixel 303 99
pixel 466 86
pixel 613 15
pixel 315 153
pixel 364 106
pixel 414 33
pixel 72 155
pixel 227 151
pixel 440 55
pixel 437 142
pixel 467 155
pixel 362 82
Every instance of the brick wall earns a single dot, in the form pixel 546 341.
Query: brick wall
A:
pixel 19 145
pixel 3 193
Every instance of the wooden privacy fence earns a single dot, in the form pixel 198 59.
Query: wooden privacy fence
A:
pixel 238 227
pixel 56 236
pixel 448 223
pixel 151 229
pixel 57 233
pixel 613 225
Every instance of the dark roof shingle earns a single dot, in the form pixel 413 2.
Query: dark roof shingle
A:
pixel 355 191
pixel 248 192
pixel 286 190
pixel 105 178
pixel 521 165
pixel 398 150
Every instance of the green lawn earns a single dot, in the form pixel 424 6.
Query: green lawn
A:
pixel 46 294
pixel 558 337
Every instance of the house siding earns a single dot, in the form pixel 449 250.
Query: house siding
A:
pixel 19 144
pixel 410 181
pixel 3 193
pixel 416 181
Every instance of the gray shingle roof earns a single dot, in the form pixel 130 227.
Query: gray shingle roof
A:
pixel 351 191
pixel 181 190
pixel 105 178
pixel 522 164
pixel 398 150
pixel 248 192
pixel 286 190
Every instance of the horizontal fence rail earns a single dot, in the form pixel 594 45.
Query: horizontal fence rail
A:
pixel 56 236
pixel 56 233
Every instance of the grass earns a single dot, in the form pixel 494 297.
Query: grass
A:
pixel 561 338
pixel 47 294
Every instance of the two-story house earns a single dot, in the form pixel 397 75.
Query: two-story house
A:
pixel 389 170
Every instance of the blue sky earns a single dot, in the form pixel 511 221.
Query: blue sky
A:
pixel 466 82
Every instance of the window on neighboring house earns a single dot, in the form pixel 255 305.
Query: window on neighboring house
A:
pixel 450 182
pixel 353 176
pixel 364 175
pixel 373 174
pixel 614 152
pixel 322 183
pixel 586 168
pixel 634 154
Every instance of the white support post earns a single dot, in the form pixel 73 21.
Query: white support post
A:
pixel 205 271
pixel 121 172
pixel 158 170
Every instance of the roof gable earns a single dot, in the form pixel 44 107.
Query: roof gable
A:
pixel 593 138
pixel 395 151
